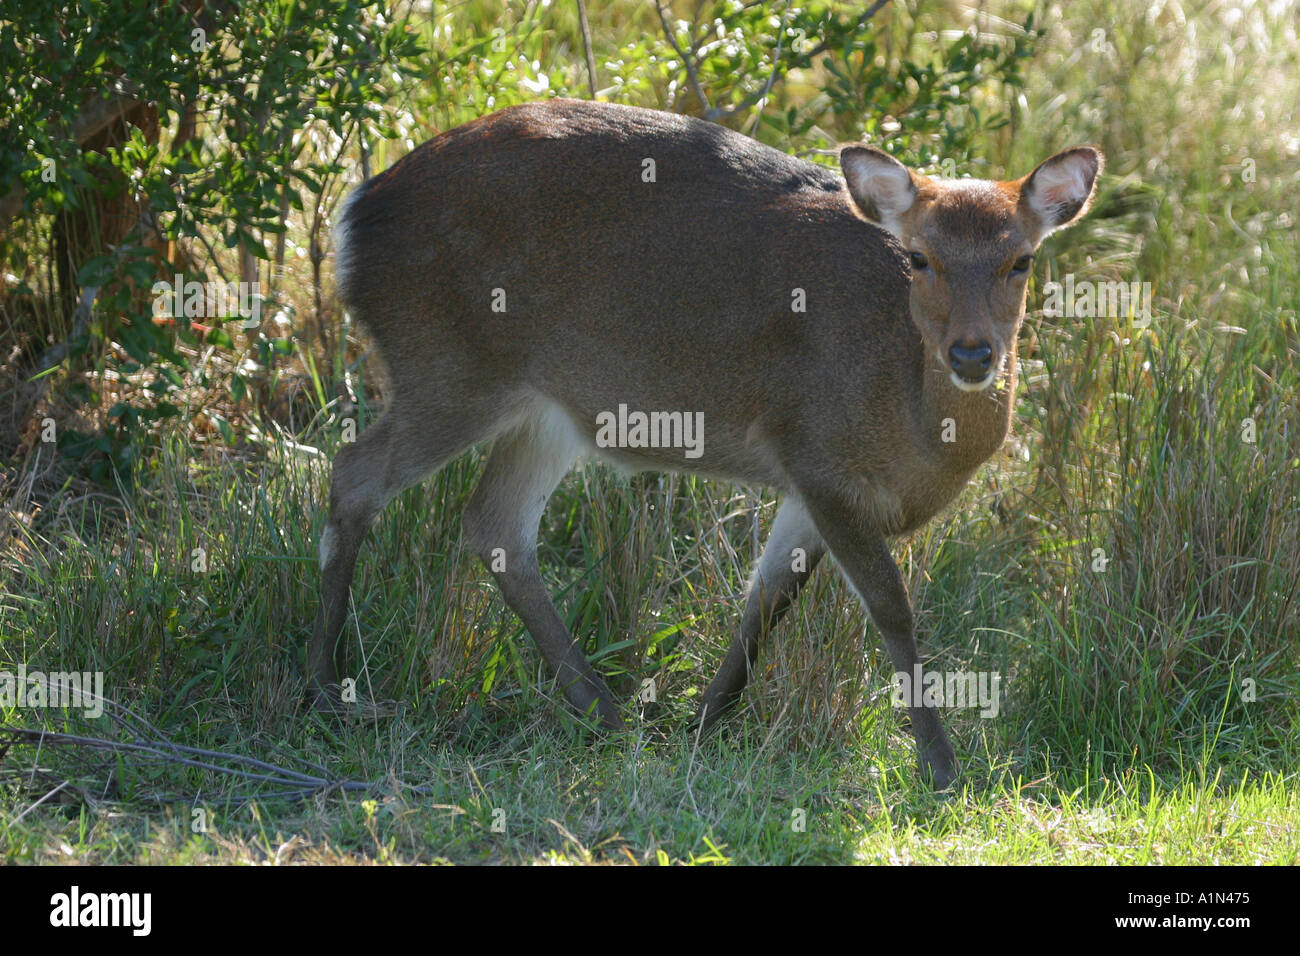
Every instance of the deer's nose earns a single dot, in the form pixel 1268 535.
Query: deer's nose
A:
pixel 971 364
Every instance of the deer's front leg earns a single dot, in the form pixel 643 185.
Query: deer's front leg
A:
pixel 791 555
pixel 863 556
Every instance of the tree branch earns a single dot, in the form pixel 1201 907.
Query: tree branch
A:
pixel 686 60
pixel 863 20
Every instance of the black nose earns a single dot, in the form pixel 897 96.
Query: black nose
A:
pixel 971 364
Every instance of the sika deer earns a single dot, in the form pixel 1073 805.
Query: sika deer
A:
pixel 533 275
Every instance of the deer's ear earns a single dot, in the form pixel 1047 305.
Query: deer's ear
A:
pixel 880 185
pixel 1059 191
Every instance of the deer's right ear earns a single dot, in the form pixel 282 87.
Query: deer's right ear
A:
pixel 881 186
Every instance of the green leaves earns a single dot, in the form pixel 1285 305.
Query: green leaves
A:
pixel 240 93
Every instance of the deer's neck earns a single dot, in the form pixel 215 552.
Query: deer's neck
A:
pixel 963 429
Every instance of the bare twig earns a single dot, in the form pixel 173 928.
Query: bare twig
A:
pixel 80 322
pixel 39 802
pixel 586 46
pixel 295 784
pixel 149 742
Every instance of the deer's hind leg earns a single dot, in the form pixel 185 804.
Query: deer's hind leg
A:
pixel 406 445
pixel 501 523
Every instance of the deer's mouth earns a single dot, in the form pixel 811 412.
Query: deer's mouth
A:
pixel 966 385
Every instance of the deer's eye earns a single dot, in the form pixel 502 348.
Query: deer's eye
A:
pixel 919 261
pixel 1022 265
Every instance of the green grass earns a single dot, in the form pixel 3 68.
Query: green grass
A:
pixel 1151 706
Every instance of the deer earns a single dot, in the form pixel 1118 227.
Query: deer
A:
pixel 846 338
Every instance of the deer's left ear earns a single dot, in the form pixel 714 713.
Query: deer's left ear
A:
pixel 1059 191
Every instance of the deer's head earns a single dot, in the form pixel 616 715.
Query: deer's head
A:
pixel 971 244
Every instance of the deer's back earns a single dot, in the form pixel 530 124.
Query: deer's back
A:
pixel 633 252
